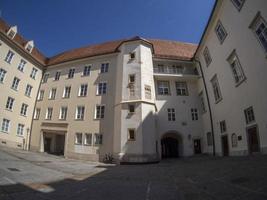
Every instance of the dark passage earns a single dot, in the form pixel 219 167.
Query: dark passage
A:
pixel 169 148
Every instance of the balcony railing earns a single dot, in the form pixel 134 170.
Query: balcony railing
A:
pixel 175 70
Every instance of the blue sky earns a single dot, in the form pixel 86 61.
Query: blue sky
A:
pixel 60 25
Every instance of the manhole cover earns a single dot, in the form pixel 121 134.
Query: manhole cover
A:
pixel 240 180
pixel 13 169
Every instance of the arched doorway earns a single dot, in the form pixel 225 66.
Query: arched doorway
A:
pixel 171 145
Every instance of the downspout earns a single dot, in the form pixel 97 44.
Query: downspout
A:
pixel 208 101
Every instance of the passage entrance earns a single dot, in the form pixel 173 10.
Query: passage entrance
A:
pixel 54 143
pixel 169 147
pixel 253 141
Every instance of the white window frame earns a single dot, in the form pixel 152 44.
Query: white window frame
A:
pixel 100 111
pixel 15 83
pixel 21 65
pixel 57 76
pixel 207 57
pixel 24 109
pixel 37 113
pixel 66 92
pixel 181 88
pixel 52 93
pixel 63 112
pixel 45 78
pixel 216 89
pixel 194 114
pixel 33 73
pixel 80 110
pixel 249 115
pixel 86 142
pixel 131 131
pixel 163 87
pixel 5 127
pixel 101 88
pixel 9 56
pixel 171 114
pixel 234 139
pixel 87 70
pixel 98 139
pixel 49 113
pixel 83 90
pixel 2 75
pixel 20 129
pixel 220 32
pixel 71 73
pixel 28 90
pixel 40 95
pixel 10 103
pixel 104 67
pixel 78 138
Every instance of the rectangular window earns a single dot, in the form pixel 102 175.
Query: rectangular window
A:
pixel 37 113
pixel 181 88
pixel 104 67
pixel 45 78
pixel 23 110
pixel 20 129
pixel 171 114
pixel 63 113
pixel 9 57
pixel 194 114
pixel 147 91
pixel 71 73
pixel 80 112
pixel 131 108
pixel 40 95
pixel 83 90
pixel 66 93
pixel 209 139
pixel 220 32
pixel 49 113
pixel 78 138
pixel 163 88
pixel 132 55
pixel 202 102
pixel 98 139
pixel 132 78
pixel 52 94
pixel 21 65
pixel 216 89
pixel 132 90
pixel 236 68
pixel 207 57
pixel 87 70
pixel 101 88
pixel 28 90
pixel 223 126
pixel 238 3
pixel 2 75
pixel 15 83
pixel 259 27
pixel 249 114
pixel 5 125
pixel 100 112
pixel 131 134
pixel 88 139
pixel 57 76
pixel 33 73
pixel 10 103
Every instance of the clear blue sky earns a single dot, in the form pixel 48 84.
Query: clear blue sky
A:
pixel 60 25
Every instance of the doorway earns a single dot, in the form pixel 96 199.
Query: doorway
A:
pixel 169 147
pixel 225 146
pixel 54 143
pixel 197 146
pixel 253 140
pixel 47 145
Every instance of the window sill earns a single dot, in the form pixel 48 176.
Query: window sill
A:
pixel 79 119
pixel 218 101
pixel 48 119
pixel 85 75
pixel 88 145
pixel 240 82
pixel 131 140
pixel 23 115
pixel 14 89
pixel 82 96
pixel 4 131
pixel 51 99
pixel 21 136
pixel 27 96
pixel 69 78
pixel 10 110
pixel 62 119
pixel 77 144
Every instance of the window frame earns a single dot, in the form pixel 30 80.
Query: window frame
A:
pixel 83 90
pixel 131 131
pixel 87 70
pixel 5 126
pixel 183 90
pixel 63 113
pixel 194 114
pixel 207 56
pixel 171 114
pixel 49 113
pixel 20 129
pixel 24 109
pixel 9 56
pixel 2 75
pixel 219 24
pixel 15 83
pixel 79 114
pixel 214 81
pixel 238 7
pixel 249 115
pixel 10 103
pixel 101 113
pixel 162 87
pixel 86 143
pixel 77 140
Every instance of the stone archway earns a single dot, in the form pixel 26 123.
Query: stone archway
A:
pixel 171 145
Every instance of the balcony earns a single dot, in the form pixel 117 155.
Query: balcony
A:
pixel 177 71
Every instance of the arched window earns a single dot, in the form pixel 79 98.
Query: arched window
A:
pixel 234 140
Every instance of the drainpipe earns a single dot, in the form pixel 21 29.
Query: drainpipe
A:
pixel 208 101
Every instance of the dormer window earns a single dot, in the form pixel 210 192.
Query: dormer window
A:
pixel 12 32
pixel 29 46
pixel 132 55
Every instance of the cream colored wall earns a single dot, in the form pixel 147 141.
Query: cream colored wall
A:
pixel 11 138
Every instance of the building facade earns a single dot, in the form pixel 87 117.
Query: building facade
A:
pixel 141 100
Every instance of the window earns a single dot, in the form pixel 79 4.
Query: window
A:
pixel 104 67
pixel 83 90
pixel 28 90
pixel 52 94
pixel 102 88
pixel 171 114
pixel 66 93
pixel 88 139
pixel 98 139
pixel 259 26
pixel 132 55
pixel 194 114
pixel 45 78
pixel 209 139
pixel 234 140
pixel 29 48
pixel 238 3
pixel 63 113
pixel 49 113
pixel 207 57
pixel 23 110
pixel 71 73
pixel 11 33
pixel 132 78
pixel 216 89
pixel 10 103
pixel 220 32
pixel 57 76
pixel 80 113
pixel 78 138
pixel 181 88
pixel 131 108
pixel 5 125
pixel 21 65
pixel 132 90
pixel 40 95
pixel 236 68
pixel 202 102
pixel 33 73
pixel 163 88
pixel 15 83
pixel 20 129
pixel 223 126
pixel 9 57
pixel 249 114
pixel 37 113
pixel 131 134
pixel 100 111
pixel 147 91
pixel 2 75
pixel 86 70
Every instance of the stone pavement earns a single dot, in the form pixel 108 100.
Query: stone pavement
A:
pixel 196 178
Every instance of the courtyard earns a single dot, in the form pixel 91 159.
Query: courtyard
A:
pixel 29 175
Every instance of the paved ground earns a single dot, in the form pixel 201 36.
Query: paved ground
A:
pixel 47 177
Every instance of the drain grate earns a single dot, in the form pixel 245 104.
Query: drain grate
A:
pixel 13 169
